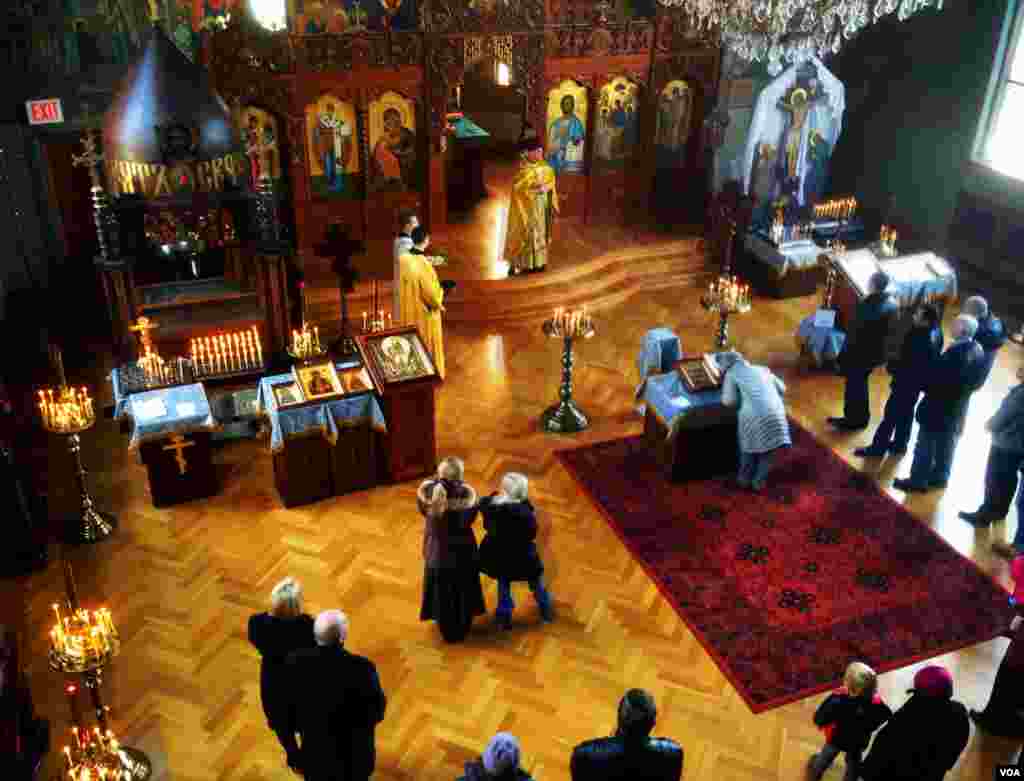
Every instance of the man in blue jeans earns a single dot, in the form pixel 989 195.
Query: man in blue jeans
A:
pixel 956 375
pixel 508 552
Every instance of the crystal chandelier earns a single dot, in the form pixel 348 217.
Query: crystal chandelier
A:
pixel 790 31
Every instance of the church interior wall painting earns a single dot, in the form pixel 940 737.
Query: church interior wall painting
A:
pixel 673 124
pixel 797 121
pixel 314 17
pixel 567 127
pixel 332 136
pixel 260 138
pixel 394 160
pixel 616 129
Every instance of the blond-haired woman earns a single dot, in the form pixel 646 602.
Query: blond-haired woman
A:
pixel 275 634
pixel 452 594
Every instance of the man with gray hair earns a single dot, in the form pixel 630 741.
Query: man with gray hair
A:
pixel 864 351
pixel 336 702
pixel 991 333
pixel 957 374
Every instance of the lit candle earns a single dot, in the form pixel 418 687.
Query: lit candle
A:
pixel 389 319
pixel 259 349
pixel 364 322
pixel 316 338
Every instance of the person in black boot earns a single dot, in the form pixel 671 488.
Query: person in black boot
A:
pixel 921 348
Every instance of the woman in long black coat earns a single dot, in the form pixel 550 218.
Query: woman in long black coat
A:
pixel 285 628
pixel 452 594
pixel 509 552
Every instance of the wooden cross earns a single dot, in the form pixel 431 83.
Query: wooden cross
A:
pixel 142 327
pixel 178 444
pixel 341 248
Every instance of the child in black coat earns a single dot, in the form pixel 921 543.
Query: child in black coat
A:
pixel 848 717
pixel 508 552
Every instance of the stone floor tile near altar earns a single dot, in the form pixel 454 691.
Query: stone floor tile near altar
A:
pixel 181 581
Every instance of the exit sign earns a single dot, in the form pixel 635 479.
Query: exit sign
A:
pixel 44 112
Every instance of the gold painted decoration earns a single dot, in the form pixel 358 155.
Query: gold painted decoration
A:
pixel 616 128
pixel 332 138
pixel 259 134
pixel 567 127
pixel 394 162
pixel 675 120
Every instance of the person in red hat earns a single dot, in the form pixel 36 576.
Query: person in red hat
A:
pixel 1002 714
pixel 924 738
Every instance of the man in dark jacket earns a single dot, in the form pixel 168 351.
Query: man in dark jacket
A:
pixel 1005 460
pixel 924 738
pixel 631 755
pixel 991 333
pixel 336 704
pixel 865 350
pixel 920 350
pixel 940 415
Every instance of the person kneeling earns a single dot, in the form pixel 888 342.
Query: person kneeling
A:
pixel 508 552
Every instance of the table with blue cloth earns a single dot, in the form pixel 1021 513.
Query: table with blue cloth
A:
pixel 171 429
pixel 658 354
pixel 692 434
pixel 322 449
pixel 822 343
pixel 465 167
pixel 788 270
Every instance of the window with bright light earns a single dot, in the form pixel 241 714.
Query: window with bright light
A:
pixel 998 144
pixel 502 75
pixel 271 14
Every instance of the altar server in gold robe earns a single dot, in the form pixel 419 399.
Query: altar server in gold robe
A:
pixel 531 212
pixel 422 298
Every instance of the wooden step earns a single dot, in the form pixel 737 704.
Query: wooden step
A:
pixel 601 282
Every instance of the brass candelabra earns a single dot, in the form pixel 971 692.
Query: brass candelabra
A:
pixel 727 296
pixel 565 417
pixel 69 412
pixel 84 643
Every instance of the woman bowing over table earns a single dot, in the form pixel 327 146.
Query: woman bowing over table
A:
pixel 762 427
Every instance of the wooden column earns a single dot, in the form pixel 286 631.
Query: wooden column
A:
pixel 272 285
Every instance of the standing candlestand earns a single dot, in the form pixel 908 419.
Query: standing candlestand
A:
pixel 70 412
pixel 835 248
pixel 83 643
pixel 727 296
pixel 565 417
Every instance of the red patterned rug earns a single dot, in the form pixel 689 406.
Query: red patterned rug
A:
pixel 784 588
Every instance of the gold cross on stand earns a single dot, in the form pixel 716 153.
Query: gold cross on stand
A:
pixel 142 327
pixel 178 444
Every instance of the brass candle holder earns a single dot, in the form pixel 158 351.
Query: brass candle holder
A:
pixel 836 249
pixel 568 325
pixel 841 209
pixel 69 412
pixel 236 352
pixel 83 643
pixel 887 241
pixel 305 344
pixel 727 296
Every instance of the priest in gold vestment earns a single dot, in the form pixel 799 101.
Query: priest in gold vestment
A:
pixel 531 212
pixel 422 298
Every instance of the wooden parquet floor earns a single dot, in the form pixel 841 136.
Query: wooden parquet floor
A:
pixel 183 581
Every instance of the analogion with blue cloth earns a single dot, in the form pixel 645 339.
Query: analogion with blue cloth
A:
pixel 161 413
pixel 667 397
pixel 326 417
pixel 823 343
pixel 658 354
